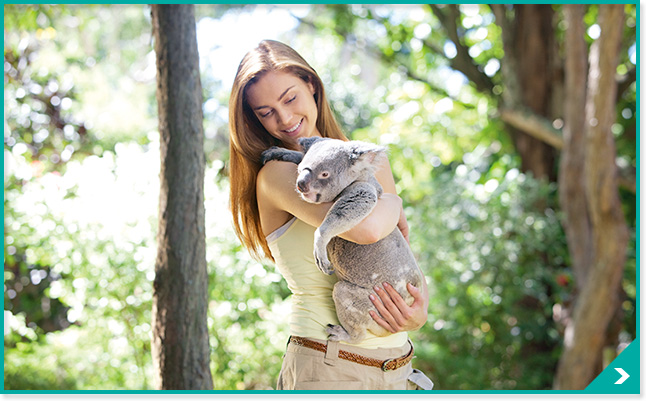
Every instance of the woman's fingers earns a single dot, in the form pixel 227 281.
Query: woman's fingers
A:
pixel 389 305
pixel 416 293
pixel 398 309
pixel 394 314
pixel 384 318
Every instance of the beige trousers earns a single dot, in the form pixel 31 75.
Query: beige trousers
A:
pixel 308 369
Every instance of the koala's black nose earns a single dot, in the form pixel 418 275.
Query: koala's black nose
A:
pixel 302 185
pixel 303 181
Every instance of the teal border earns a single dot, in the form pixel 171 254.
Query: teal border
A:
pixel 604 383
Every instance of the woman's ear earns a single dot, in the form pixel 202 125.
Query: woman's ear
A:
pixel 311 87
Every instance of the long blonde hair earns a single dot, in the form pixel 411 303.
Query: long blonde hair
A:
pixel 248 137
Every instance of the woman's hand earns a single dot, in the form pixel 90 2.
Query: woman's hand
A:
pixel 394 314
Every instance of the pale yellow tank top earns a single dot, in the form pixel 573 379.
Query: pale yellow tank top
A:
pixel 292 247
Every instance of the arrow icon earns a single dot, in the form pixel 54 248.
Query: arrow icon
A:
pixel 624 376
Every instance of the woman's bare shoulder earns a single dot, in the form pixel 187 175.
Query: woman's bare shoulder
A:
pixel 275 186
pixel 276 176
pixel 276 168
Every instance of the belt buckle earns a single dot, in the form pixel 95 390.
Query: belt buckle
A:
pixel 383 366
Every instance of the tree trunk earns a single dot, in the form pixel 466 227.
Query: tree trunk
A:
pixel 533 41
pixel 180 344
pixel 572 188
pixel 598 300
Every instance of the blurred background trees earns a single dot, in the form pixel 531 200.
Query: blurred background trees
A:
pixel 471 101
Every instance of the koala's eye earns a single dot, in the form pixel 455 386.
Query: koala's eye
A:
pixel 324 175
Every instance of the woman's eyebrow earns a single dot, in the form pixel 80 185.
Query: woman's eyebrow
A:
pixel 279 98
pixel 285 92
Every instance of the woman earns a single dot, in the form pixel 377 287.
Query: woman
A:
pixel 276 99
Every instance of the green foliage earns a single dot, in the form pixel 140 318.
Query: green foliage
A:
pixel 104 266
pixel 67 71
pixel 26 368
pixel 65 92
pixel 492 250
pixel 99 266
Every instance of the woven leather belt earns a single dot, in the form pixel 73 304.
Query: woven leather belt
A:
pixel 385 365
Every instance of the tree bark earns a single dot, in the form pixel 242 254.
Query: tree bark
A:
pixel 598 300
pixel 528 73
pixel 180 344
pixel 572 183
pixel 532 50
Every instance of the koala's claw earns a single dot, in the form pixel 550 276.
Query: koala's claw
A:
pixel 325 267
pixel 323 263
pixel 273 153
pixel 337 333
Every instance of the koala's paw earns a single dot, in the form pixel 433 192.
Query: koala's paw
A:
pixel 322 261
pixel 337 333
pixel 272 154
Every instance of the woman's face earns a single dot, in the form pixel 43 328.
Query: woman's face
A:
pixel 285 106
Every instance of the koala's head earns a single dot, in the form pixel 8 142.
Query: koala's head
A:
pixel 330 165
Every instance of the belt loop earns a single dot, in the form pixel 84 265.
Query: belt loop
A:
pixel 332 353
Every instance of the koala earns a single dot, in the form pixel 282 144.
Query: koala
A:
pixel 343 172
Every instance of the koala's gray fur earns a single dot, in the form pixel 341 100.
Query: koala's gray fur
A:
pixel 343 172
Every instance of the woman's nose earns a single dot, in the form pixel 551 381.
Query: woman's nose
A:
pixel 284 115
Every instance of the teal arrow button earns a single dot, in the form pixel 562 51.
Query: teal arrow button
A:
pixel 624 375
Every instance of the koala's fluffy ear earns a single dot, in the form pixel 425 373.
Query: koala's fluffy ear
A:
pixel 365 151
pixel 306 143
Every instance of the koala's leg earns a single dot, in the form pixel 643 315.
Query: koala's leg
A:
pixel 352 306
pixel 281 154
pixel 351 207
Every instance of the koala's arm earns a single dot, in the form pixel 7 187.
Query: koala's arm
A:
pixel 385 216
pixel 352 206
pixel 281 154
pixel 275 189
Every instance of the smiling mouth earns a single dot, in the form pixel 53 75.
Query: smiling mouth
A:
pixel 296 127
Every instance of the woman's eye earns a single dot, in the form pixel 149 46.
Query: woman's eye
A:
pixel 265 114
pixel 291 99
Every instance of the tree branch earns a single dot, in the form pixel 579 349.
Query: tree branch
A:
pixel 524 120
pixel 462 61
pixel 542 129
pixel 374 51
pixel 534 125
